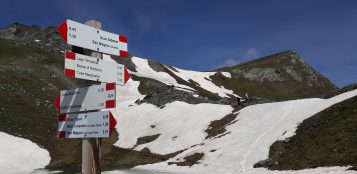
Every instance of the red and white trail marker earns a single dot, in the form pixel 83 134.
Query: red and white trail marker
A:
pixel 90 68
pixel 86 125
pixel 84 36
pixel 85 99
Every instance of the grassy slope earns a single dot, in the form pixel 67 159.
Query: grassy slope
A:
pixel 328 138
pixel 30 80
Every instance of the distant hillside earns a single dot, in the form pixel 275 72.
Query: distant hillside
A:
pixel 281 76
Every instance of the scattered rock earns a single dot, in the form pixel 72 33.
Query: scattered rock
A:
pixel 147 139
pixel 189 160
pixel 168 94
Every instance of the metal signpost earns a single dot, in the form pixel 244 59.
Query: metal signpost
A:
pixel 86 125
pixel 86 99
pixel 88 37
pixel 90 68
pixel 90 40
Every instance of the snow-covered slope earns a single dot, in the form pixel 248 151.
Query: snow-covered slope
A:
pixel 258 127
pixel 202 78
pixel 182 126
pixel 18 155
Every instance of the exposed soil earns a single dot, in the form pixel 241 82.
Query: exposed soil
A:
pixel 218 127
pixel 147 85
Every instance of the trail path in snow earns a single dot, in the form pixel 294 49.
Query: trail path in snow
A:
pixel 254 145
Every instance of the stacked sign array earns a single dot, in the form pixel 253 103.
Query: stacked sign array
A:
pixel 79 116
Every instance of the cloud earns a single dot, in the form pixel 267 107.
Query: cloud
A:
pixel 229 62
pixel 247 55
pixel 250 53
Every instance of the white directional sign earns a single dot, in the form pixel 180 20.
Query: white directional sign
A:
pixel 86 125
pixel 84 36
pixel 90 68
pixel 85 99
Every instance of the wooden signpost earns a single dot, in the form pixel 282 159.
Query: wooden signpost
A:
pixel 91 123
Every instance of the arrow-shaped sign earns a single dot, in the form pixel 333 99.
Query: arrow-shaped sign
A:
pixel 90 68
pixel 84 36
pixel 86 125
pixel 85 99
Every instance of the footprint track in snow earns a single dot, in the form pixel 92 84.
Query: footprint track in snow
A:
pixel 253 146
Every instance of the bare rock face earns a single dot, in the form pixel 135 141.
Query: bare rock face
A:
pixel 280 67
pixel 259 74
pixel 45 38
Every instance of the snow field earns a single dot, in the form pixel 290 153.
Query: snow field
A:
pixel 258 127
pixel 18 155
pixel 180 124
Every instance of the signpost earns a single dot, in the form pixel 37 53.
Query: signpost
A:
pixel 86 125
pixel 88 37
pixel 91 126
pixel 85 99
pixel 90 68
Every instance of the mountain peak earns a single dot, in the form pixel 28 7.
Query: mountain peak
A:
pixel 284 75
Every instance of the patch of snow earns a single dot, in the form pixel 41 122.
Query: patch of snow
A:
pixel 20 155
pixel 45 171
pixel 144 70
pixel 107 57
pixel 227 74
pixel 201 79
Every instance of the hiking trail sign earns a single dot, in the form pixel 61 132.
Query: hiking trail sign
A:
pixel 86 125
pixel 93 97
pixel 88 37
pixel 90 68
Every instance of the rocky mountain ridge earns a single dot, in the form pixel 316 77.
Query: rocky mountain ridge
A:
pixel 283 76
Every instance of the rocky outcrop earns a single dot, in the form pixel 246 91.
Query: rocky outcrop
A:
pixel 167 94
pixel 45 38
